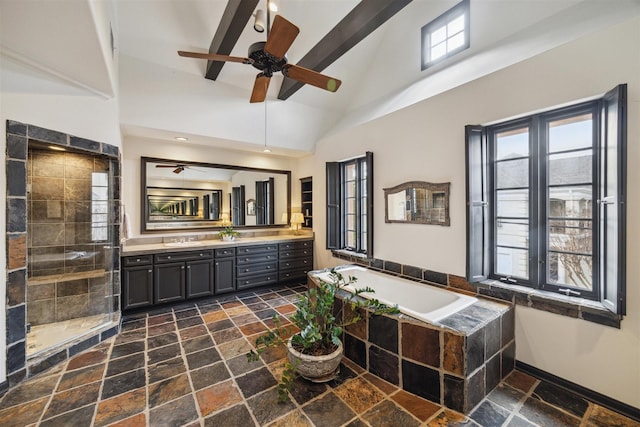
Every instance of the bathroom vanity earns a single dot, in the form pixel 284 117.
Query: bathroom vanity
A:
pixel 158 273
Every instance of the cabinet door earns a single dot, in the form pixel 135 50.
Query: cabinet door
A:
pixel 169 282
pixel 137 286
pixel 199 278
pixel 224 270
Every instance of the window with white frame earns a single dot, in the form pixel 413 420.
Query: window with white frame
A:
pixel 446 35
pixel 546 201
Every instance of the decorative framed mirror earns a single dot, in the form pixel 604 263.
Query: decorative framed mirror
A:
pixel 417 202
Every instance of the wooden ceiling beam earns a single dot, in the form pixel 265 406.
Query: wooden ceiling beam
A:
pixel 235 18
pixel 366 17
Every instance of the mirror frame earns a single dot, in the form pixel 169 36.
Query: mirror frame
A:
pixel 144 207
pixel 438 187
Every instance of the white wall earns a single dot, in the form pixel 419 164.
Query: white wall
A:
pixel 86 117
pixel 134 148
pixel 426 142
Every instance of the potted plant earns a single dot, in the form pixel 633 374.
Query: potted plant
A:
pixel 313 337
pixel 228 234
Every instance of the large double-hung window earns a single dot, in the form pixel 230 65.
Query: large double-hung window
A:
pixel 546 200
pixel 349 205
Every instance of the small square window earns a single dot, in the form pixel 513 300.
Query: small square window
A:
pixel 446 35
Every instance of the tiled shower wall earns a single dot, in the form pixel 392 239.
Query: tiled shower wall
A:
pixel 18 136
pixel 67 252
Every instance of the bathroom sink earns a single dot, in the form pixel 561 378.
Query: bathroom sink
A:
pixel 182 244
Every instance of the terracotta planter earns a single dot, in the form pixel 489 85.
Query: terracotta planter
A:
pixel 318 369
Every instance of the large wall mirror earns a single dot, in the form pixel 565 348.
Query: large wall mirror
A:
pixel 417 202
pixel 179 195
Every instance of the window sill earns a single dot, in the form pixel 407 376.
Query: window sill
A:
pixel 576 307
pixel 341 253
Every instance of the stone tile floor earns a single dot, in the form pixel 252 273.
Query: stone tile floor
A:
pixel 185 366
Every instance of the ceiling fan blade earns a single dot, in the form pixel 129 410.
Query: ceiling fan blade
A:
pixel 281 36
pixel 311 77
pixel 168 166
pixel 215 57
pixel 260 87
pixel 178 169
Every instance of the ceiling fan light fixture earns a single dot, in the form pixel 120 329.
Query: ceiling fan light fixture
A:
pixel 258 23
pixel 181 138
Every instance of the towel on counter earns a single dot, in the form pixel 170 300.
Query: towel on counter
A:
pixel 125 227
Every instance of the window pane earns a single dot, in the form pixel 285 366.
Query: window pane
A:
pixel 350 170
pixel 513 143
pixel 513 232
pixel 351 205
pixel 455 42
pixel 438 36
pixel 512 173
pixel 351 189
pixel 351 222
pixel 570 168
pixel 570 202
pixel 351 239
pixel 571 133
pixel 571 236
pixel 513 203
pixel 438 51
pixel 455 26
pixel 512 262
pixel 570 270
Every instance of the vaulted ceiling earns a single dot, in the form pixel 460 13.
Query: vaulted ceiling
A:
pixel 63 47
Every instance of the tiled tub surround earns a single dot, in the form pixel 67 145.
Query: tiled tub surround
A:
pixel 19 136
pixel 455 362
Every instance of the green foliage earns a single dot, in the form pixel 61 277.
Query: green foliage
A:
pixel 320 322
pixel 228 231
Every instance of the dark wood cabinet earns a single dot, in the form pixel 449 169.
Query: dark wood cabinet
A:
pixel 256 266
pixel 224 270
pixel 180 275
pixel 199 280
pixel 295 260
pixel 306 198
pixel 137 281
pixel 169 282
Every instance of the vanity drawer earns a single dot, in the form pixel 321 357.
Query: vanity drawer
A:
pixel 306 244
pixel 130 261
pixel 299 274
pixel 225 253
pixel 259 280
pixel 251 269
pixel 258 249
pixel 295 253
pixel 256 258
pixel 182 256
pixel 297 263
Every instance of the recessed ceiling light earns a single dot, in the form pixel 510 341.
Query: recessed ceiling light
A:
pixel 266 150
pixel 56 148
pixel 181 138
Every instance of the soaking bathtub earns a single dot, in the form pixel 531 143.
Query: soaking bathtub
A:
pixel 424 302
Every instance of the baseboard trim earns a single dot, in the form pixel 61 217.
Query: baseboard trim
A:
pixel 4 387
pixel 593 396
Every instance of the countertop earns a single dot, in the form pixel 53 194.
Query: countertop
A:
pixel 138 248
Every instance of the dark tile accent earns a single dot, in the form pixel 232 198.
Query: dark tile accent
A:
pixel 435 277
pixel 265 407
pixel 162 340
pixel 47 363
pixel 187 323
pixel 81 376
pixel 180 412
pixel 203 358
pixel 16 128
pixel 85 144
pixel 344 374
pixel 489 414
pixel 377 263
pixel 110 150
pixel 210 375
pixel 420 380
pixel 122 383
pixel 383 331
pixel 165 369
pixel 16 287
pixel 542 414
pixel 493 372
pixel 16 147
pixel 163 353
pixel 72 399
pixel 169 389
pixel 388 413
pixel 46 135
pixel 184 314
pixel 199 343
pixel 553 306
pixel 16 324
pixel 508 326
pixel 474 351
pixel 561 398
pixel 505 396
pixel 411 271
pixel 16 377
pixel 37 388
pixel 16 215
pixel 16 357
pixel 421 344
pixel 462 323
pixel 497 293
pixel 393 267
pixel 17 185
pixel 601 317
pixel 384 364
pixel 237 415
pixel 84 345
pixel 329 410
pixel 519 422
pixel 508 359
pixel 256 382
pixel 355 350
pixel 78 417
pixel 493 338
pixel 475 389
pixel 454 392
pixel 303 391
pixel 125 364
pixel 127 349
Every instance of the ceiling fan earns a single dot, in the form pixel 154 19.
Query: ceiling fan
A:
pixel 179 168
pixel 269 57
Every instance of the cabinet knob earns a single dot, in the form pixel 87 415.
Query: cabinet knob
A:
pixel 246 270
pixel 246 259
pixel 137 259
pixel 306 262
pixel 287 254
pixel 149 271
pixel 268 267
pixel 169 257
